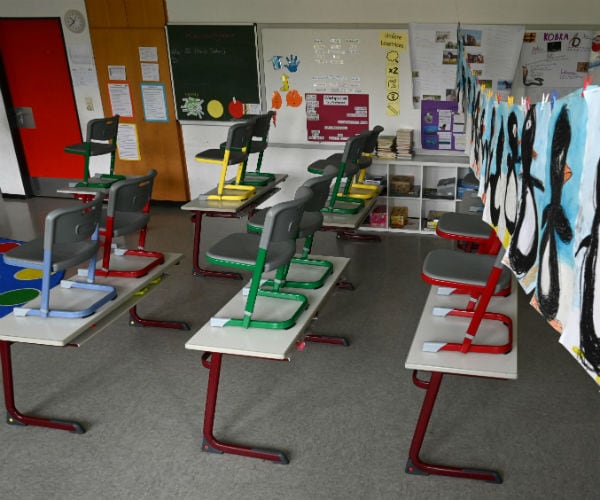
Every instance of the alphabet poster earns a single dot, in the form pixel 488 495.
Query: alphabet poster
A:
pixel 538 163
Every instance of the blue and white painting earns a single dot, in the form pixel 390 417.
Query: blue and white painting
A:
pixel 539 170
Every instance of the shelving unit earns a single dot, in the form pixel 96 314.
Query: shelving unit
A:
pixel 420 200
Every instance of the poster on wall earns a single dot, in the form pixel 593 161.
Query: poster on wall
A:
pixel 336 117
pixel 442 127
pixel 492 53
pixel 554 61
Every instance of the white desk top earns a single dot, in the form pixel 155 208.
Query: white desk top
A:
pixel 63 331
pixel 351 221
pixel 433 328
pixel 265 343
pixel 202 204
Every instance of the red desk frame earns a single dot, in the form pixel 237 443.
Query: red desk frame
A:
pixel 83 329
pixel 273 345
pixel 438 364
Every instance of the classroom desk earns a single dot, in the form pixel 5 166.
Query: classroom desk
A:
pixel 498 366
pixel 83 193
pixel 346 224
pixel 257 343
pixel 62 332
pixel 200 207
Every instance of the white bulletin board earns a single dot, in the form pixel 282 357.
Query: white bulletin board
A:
pixel 348 60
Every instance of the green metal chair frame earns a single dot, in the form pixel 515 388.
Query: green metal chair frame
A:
pixel 101 139
pixel 311 222
pixel 347 168
pixel 272 250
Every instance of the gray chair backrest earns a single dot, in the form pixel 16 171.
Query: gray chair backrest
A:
pixel 371 141
pixel 72 224
pixel 283 220
pixel 262 125
pixel 103 129
pixel 240 135
pixel 352 151
pixel 320 187
pixel 131 194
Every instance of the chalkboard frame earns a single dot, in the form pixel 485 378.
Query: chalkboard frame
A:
pixel 212 67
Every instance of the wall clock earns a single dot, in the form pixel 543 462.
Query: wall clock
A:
pixel 74 21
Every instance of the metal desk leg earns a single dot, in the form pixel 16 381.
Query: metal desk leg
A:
pixel 136 320
pixel 197 270
pixel 210 443
pixel 414 464
pixel 351 234
pixel 14 417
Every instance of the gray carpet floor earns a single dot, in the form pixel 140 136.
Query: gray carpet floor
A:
pixel 343 415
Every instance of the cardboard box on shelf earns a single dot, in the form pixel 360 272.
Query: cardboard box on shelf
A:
pixel 378 217
pixel 399 217
pixel 401 184
pixel 432 218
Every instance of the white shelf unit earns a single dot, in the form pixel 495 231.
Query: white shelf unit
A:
pixel 426 171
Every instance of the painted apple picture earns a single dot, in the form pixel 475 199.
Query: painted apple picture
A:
pixel 236 108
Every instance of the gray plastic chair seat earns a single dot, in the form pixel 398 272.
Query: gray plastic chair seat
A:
pixel 310 223
pixel 70 238
pixel 469 269
pixel 235 157
pixel 64 255
pixel 463 224
pixel 318 166
pixel 255 146
pixel 243 247
pixel 96 148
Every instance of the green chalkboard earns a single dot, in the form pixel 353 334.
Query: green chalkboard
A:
pixel 213 66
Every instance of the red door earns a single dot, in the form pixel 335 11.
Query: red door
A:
pixel 41 95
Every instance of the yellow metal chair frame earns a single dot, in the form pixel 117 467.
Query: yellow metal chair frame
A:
pixel 360 189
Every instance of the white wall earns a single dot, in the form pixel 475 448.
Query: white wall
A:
pixel 10 177
pixel 559 12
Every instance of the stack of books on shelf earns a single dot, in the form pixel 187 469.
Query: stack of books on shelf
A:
pixel 386 147
pixel 404 143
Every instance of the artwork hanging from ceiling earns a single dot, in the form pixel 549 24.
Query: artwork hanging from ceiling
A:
pixel 538 165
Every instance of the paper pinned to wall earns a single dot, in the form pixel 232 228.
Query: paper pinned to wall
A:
pixel 493 52
pixel 128 143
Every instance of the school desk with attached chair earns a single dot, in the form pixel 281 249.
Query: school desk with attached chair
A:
pixel 259 343
pixel 440 363
pixel 61 332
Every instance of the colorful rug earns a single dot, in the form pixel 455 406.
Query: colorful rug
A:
pixel 19 285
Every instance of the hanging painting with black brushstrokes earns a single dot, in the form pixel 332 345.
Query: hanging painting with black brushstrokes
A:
pixel 581 333
pixel 539 170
